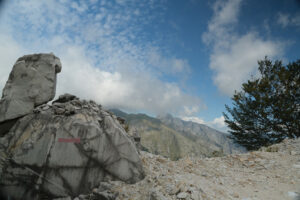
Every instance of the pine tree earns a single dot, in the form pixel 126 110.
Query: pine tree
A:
pixel 267 110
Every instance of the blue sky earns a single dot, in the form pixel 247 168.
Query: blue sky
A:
pixel 184 57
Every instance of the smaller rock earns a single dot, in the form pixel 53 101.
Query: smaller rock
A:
pixel 104 186
pixel 58 104
pixel 70 110
pixel 59 111
pixel 83 197
pixel 182 195
pixel 297 166
pixel 294 195
pixel 196 195
pixel 236 195
pixel 44 107
pixel 293 153
pixel 65 98
pixel 106 195
pixel 171 189
pixel 63 198
pixel 156 195
pixel 76 102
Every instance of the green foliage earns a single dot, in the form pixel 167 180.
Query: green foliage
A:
pixel 267 110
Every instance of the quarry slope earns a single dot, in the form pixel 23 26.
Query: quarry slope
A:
pixel 272 173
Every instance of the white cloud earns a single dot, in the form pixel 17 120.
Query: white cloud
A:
pixel 234 66
pixel 234 56
pixel 288 20
pixel 79 7
pixel 9 51
pixel 225 15
pixel 283 19
pixel 137 91
pixel 102 60
pixel 218 123
pixel 194 119
pixel 168 65
pixel 225 12
pixel 190 110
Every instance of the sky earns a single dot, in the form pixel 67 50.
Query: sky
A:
pixel 183 57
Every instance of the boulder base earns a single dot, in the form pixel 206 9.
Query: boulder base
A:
pixel 66 153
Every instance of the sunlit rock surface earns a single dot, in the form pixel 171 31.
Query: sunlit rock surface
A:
pixel 32 82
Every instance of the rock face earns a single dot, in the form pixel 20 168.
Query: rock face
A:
pixel 60 150
pixel 71 146
pixel 32 82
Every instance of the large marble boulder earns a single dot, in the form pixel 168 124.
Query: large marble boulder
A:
pixel 32 82
pixel 65 149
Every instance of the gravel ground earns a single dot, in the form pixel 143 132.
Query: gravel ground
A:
pixel 271 173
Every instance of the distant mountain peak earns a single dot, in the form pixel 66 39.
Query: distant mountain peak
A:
pixel 175 138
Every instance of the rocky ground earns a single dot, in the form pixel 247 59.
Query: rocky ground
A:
pixel 272 173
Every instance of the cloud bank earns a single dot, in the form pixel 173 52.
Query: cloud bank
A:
pixel 233 55
pixel 106 54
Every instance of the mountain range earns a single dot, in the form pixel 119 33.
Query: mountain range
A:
pixel 175 138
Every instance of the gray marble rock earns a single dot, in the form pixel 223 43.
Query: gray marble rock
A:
pixel 32 82
pixel 66 154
